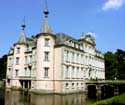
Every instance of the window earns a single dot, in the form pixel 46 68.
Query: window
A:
pixel 8 81
pixel 9 69
pixel 72 56
pixel 72 72
pixel 82 73
pixel 90 72
pixel 76 45
pixel 72 85
pixel 30 59
pixel 77 85
pixel 86 59
pixel 16 72
pixel 25 59
pixel 25 71
pixel 77 74
pixel 89 47
pixel 18 50
pixel 67 71
pixel 46 56
pixel 10 61
pixel 17 60
pixel 67 85
pixel 46 69
pixel 77 58
pixel 46 41
pixel 67 54
pixel 28 48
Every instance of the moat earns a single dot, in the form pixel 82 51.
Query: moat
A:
pixel 14 97
pixel 24 98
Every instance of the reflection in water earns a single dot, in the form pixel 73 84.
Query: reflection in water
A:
pixel 24 98
pixel 1 97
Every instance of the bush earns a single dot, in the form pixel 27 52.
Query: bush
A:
pixel 116 100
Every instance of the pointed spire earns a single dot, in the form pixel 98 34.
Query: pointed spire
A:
pixel 22 38
pixel 46 27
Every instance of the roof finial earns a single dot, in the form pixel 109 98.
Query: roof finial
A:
pixel 46 12
pixel 23 24
pixel 46 4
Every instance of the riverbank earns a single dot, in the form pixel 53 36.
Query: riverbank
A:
pixel 116 100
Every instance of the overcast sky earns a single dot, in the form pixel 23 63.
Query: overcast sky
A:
pixel 105 18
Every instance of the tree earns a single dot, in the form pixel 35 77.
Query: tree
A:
pixel 3 65
pixel 111 64
pixel 120 55
pixel 115 64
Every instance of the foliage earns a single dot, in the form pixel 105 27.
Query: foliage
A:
pixel 115 65
pixel 3 65
pixel 116 100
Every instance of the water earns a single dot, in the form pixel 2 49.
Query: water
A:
pixel 24 98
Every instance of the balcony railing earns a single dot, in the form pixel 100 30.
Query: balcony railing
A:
pixel 26 77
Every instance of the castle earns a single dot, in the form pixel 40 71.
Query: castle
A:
pixel 53 63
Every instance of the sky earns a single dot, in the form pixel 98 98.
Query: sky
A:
pixel 104 18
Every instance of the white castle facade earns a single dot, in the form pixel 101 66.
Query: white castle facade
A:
pixel 53 63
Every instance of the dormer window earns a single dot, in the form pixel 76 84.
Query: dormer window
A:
pixel 76 45
pixel 47 42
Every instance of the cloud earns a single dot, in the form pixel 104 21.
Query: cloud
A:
pixel 113 4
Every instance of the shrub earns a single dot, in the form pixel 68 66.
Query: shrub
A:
pixel 116 100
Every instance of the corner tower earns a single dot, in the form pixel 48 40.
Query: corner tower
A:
pixel 16 67
pixel 45 56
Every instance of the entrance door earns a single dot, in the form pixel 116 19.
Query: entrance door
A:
pixel 26 84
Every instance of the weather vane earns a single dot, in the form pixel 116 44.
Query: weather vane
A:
pixel 23 24
pixel 46 12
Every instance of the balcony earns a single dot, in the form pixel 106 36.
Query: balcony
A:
pixel 8 76
pixel 26 78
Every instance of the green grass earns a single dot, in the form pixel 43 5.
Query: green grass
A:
pixel 116 100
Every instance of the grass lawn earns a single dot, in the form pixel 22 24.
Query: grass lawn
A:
pixel 116 100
